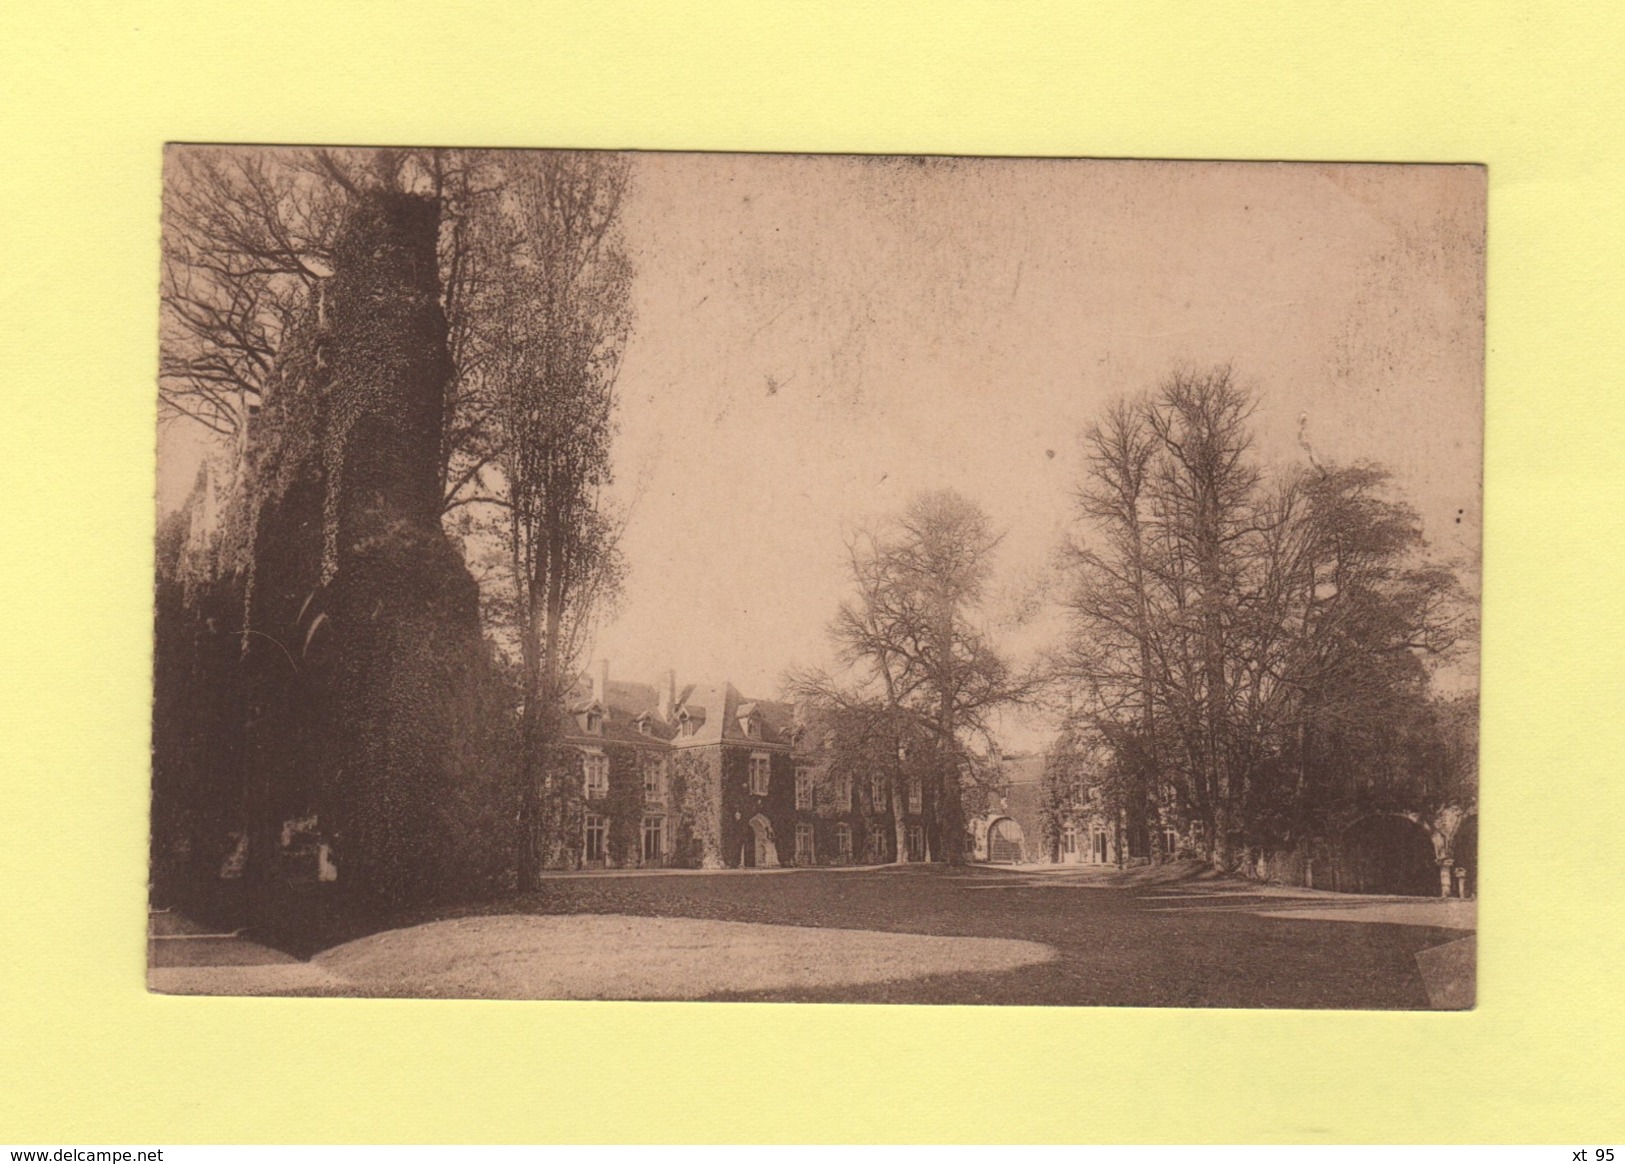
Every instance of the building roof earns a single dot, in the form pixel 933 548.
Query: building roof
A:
pixel 624 704
pixel 718 709
pixel 701 700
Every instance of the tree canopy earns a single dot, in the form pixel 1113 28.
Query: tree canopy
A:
pixel 920 663
pixel 1245 645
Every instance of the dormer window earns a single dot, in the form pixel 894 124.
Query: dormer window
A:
pixel 644 726
pixel 591 718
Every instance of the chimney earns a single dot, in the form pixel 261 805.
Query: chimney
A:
pixel 600 682
pixel 668 694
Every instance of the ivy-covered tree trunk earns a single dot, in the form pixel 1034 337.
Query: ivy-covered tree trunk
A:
pixel 371 695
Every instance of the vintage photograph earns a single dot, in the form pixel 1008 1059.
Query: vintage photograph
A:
pixel 928 580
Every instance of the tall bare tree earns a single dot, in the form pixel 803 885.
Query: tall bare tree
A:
pixel 548 324
pixel 918 652
pixel 1237 641
pixel 247 235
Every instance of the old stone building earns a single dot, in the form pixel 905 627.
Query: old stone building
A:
pixel 1037 819
pixel 700 775
pixel 1010 832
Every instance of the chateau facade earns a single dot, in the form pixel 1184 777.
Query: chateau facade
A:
pixel 702 776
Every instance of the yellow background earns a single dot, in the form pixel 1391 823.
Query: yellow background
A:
pixel 92 91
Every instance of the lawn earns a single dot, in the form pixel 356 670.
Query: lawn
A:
pixel 599 956
pixel 1071 938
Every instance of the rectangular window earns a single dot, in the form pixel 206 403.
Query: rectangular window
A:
pixel 804 844
pixel 1069 838
pixel 654 839
pixel 877 844
pixel 877 793
pixel 843 843
pixel 843 793
pixel 595 834
pixel 916 795
pixel 761 771
pixel 804 789
pixel 596 766
pixel 916 843
pixel 654 779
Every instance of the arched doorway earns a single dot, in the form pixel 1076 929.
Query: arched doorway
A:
pixel 1465 852
pixel 1004 845
pixel 760 852
pixel 1387 854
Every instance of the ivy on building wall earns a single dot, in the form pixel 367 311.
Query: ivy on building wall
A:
pixel 361 688
pixel 697 790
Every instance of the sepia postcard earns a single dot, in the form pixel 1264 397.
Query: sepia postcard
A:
pixel 943 580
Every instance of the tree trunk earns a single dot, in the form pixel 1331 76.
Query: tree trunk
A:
pixel 951 817
pixel 367 667
pixel 1224 855
pixel 899 821
pixel 530 785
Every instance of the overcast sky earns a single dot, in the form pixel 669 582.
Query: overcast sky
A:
pixel 818 339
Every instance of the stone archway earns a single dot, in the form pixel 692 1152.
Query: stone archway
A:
pixel 1005 842
pixel 760 850
pixel 1387 853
